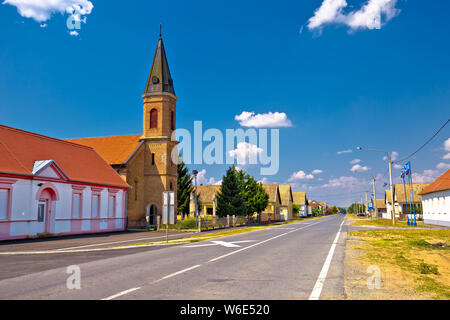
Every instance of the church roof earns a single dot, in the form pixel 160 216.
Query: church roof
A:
pixel 21 151
pixel 160 80
pixel 115 150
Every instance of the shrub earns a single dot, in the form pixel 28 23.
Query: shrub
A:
pixel 425 268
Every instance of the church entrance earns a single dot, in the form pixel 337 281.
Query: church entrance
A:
pixel 151 215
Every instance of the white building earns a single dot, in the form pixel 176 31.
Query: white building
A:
pixel 54 187
pixel 402 201
pixel 436 201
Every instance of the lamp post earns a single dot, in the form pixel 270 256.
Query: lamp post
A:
pixel 390 178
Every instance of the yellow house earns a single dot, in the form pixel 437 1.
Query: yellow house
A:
pixel 286 202
pixel 401 200
pixel 272 212
pixel 207 200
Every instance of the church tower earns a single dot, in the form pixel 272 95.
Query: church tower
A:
pixel 160 172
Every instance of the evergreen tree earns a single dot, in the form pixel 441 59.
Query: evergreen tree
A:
pixel 255 197
pixel 230 200
pixel 184 189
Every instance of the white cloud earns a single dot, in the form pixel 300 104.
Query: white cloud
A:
pixel 265 120
pixel 317 171
pixel 443 165
pixel 355 161
pixel 246 153
pixel 43 25
pixel 344 151
pixel 372 15
pixel 42 10
pixel 447 148
pixel 74 33
pixel 397 166
pixel 426 176
pixel 342 182
pixel 359 168
pixel 394 156
pixel 202 179
pixel 301 175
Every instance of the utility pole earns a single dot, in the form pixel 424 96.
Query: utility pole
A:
pixel 392 188
pixel 367 207
pixel 374 199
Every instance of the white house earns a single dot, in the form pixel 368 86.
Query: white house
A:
pixel 402 200
pixel 54 187
pixel 436 201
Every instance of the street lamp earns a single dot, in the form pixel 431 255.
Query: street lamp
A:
pixel 390 177
pixel 195 173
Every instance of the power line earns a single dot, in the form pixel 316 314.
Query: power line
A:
pixel 429 140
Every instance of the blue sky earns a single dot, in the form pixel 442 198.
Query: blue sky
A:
pixel 342 83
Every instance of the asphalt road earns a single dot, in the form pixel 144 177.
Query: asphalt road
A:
pixel 282 262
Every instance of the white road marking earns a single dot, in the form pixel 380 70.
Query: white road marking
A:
pixel 257 244
pixel 115 242
pixel 121 293
pixel 179 272
pixel 315 294
pixel 221 243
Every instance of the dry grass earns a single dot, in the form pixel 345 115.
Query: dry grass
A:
pixel 382 222
pixel 414 264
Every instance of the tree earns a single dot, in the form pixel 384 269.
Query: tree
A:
pixel 255 197
pixel 295 209
pixel 184 189
pixel 230 200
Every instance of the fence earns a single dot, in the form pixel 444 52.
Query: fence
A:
pixel 214 222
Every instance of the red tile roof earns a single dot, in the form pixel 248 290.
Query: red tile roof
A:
pixel 440 184
pixel 20 149
pixel 115 150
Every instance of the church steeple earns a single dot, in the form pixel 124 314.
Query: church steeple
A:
pixel 159 80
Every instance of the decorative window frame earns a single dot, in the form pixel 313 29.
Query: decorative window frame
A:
pixel 96 192
pixel 7 184
pixel 112 193
pixel 77 190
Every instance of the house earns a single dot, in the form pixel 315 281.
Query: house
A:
pixel 321 206
pixel 300 199
pixel 54 187
pixel 144 160
pixel 380 206
pixel 286 202
pixel 402 200
pixel 272 212
pixel 207 199
pixel 436 201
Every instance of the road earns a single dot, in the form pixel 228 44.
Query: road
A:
pixel 286 262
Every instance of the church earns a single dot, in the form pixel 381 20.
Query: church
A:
pixel 144 160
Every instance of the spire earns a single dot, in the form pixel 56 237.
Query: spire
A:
pixel 160 80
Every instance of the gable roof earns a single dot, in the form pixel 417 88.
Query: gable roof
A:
pixel 115 150
pixel 21 149
pixel 207 194
pixel 381 204
pixel 285 194
pixel 440 184
pixel 299 198
pixel 399 192
pixel 272 190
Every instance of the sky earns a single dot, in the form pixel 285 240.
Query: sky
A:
pixel 332 75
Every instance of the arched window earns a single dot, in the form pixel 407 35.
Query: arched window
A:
pixel 153 119
pixel 172 120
